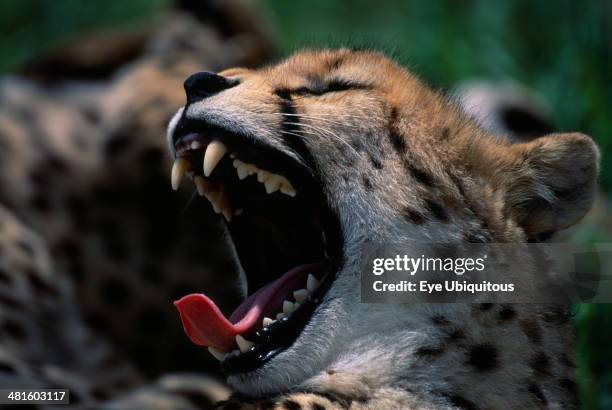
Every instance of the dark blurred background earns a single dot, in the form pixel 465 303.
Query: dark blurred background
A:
pixel 560 49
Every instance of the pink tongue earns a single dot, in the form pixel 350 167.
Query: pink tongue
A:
pixel 206 326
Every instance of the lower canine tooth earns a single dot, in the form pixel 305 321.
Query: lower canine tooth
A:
pixel 243 344
pixel 179 168
pixel 267 321
pixel 311 282
pixel 227 214
pixel 202 185
pixel 217 354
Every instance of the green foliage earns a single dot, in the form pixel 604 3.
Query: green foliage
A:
pixel 30 27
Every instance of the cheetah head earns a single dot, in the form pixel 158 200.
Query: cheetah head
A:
pixel 310 159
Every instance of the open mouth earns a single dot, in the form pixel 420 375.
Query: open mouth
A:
pixel 286 237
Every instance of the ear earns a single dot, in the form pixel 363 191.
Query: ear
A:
pixel 549 183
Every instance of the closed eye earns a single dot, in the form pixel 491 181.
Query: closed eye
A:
pixel 334 85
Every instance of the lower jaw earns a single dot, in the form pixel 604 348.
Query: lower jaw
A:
pixel 273 340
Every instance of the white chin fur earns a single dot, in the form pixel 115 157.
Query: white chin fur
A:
pixel 170 131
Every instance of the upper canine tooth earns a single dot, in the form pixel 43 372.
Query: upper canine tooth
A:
pixel 243 344
pixel 179 168
pixel 311 282
pixel 214 152
pixel 217 354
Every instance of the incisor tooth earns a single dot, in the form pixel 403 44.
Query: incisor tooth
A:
pixel 279 316
pixel 217 354
pixel 272 184
pixel 243 344
pixel 241 169
pixel 214 152
pixel 262 175
pixel 288 307
pixel 311 282
pixel 179 168
pixel 300 295
pixel 267 321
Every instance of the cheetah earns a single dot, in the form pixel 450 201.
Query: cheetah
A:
pixel 311 159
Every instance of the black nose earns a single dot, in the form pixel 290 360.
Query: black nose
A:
pixel 204 84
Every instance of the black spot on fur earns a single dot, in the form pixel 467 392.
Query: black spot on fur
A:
pixel 40 203
pixel 4 277
pixel 483 357
pixel 39 286
pixel 115 292
pixel 485 306
pixel 428 352
pixel 540 364
pixel 456 334
pixel 461 402
pixel 569 386
pixel 535 390
pixel 367 184
pixel 398 143
pixel 507 313
pixel 445 133
pixel 566 361
pixel 6 368
pixel 413 216
pixel 336 63
pixel 557 316
pixel 436 210
pixel 476 237
pixel 117 144
pixel 291 405
pixel 14 329
pixel 316 406
pixel 532 330
pixel 376 162
pixel 421 176
pixel 440 320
